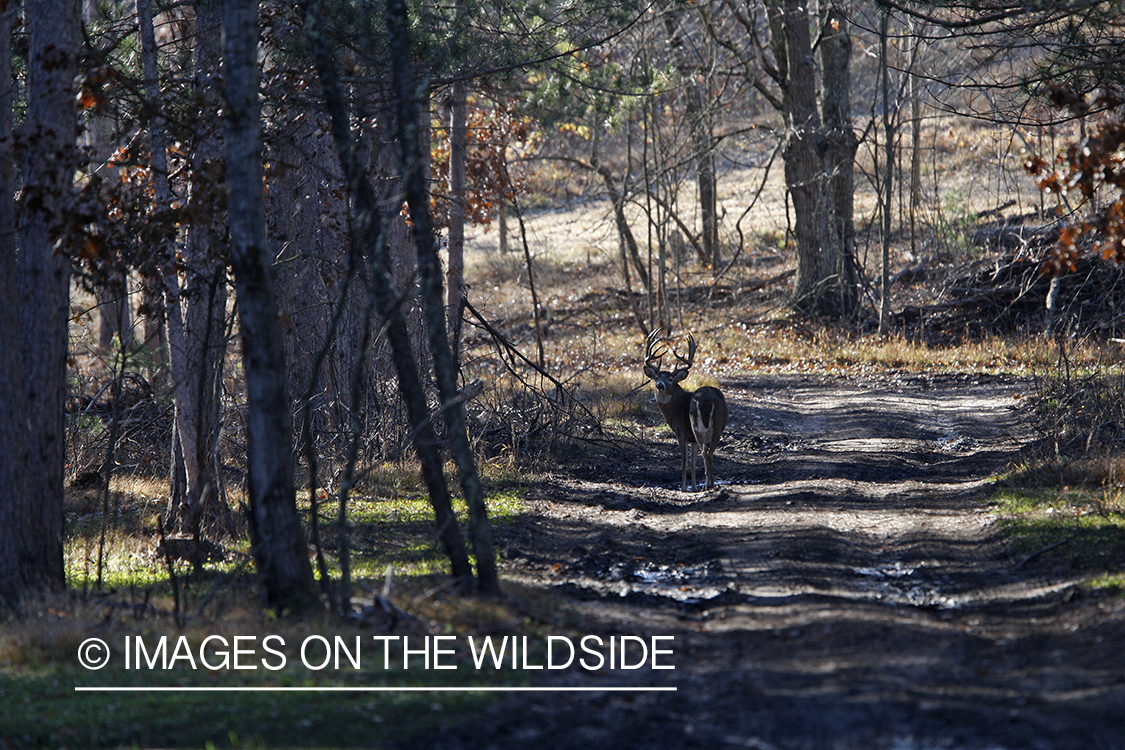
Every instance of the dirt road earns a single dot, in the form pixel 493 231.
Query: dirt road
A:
pixel 846 586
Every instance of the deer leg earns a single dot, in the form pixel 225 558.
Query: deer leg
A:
pixel 683 465
pixel 694 461
pixel 709 463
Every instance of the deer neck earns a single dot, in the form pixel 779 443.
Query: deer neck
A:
pixel 673 403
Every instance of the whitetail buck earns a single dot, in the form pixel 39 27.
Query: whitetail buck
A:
pixel 697 417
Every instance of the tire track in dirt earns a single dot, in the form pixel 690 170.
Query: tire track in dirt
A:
pixel 846 586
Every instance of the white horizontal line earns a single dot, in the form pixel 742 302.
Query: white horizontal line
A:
pixel 362 689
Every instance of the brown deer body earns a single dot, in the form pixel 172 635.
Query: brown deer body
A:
pixel 696 417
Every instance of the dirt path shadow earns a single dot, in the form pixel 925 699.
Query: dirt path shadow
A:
pixel 845 586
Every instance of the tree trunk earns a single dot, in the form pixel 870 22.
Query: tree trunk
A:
pixel 698 116
pixel 915 138
pixel 705 177
pixel 114 313
pixel 836 111
pixel 455 275
pixel 377 156
pixel 418 199
pixel 502 229
pixel 307 236
pixel 203 295
pixel 194 306
pixel 617 198
pixel 819 157
pixel 114 316
pixel 14 582
pixel 804 172
pixel 888 175
pixel 31 538
pixel 155 334
pixel 277 539
pixel 183 447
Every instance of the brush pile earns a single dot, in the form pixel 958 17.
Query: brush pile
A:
pixel 1014 292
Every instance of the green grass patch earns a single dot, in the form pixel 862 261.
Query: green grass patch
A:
pixel 391 524
pixel 398 530
pixel 40 669
pixel 390 516
pixel 1076 530
pixel 42 709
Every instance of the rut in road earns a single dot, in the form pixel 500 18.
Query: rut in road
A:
pixel 845 586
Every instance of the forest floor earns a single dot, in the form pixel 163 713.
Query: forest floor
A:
pixel 847 585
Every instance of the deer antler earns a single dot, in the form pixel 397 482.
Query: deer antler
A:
pixel 690 354
pixel 653 358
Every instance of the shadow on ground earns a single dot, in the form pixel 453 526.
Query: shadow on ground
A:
pixel 844 587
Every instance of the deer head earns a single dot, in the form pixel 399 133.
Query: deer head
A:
pixel 665 380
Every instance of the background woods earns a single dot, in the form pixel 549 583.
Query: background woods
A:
pixel 306 304
pixel 379 142
pixel 380 137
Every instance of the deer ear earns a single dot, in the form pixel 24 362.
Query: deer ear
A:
pixel 680 374
pixel 650 372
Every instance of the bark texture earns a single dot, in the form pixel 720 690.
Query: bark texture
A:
pixel 408 94
pixel 819 156
pixel 31 512
pixel 277 539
